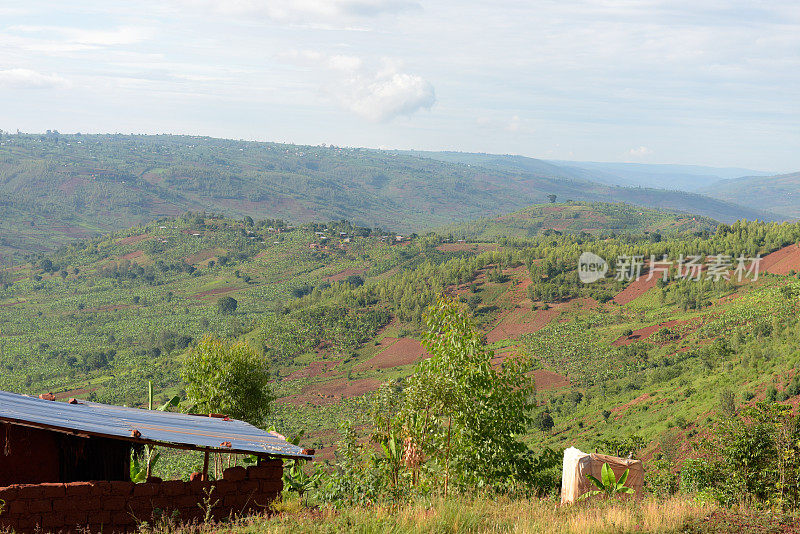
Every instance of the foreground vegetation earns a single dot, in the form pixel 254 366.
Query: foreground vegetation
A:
pixel 483 514
pixel 695 377
pixel 478 514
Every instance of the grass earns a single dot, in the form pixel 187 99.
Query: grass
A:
pixel 485 514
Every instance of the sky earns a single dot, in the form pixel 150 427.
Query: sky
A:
pixel 692 82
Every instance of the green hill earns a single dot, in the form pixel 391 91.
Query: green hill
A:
pixel 338 309
pixel 576 217
pixel 55 188
pixel 778 194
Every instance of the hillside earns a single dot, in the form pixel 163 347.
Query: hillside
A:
pixel 779 194
pixel 691 178
pixel 338 311
pixel 576 217
pixel 655 186
pixel 55 188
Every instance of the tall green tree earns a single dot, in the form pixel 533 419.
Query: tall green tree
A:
pixel 230 378
pixel 466 415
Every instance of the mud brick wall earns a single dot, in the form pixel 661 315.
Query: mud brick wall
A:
pixel 121 506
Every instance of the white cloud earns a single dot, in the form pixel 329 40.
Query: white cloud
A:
pixel 63 39
pixel 500 123
pixel 123 35
pixel 26 78
pixel 386 95
pixel 514 124
pixel 306 10
pixel 376 94
pixel 639 152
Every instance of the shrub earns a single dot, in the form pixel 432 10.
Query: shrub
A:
pixel 228 378
pixel 227 305
pixel 543 421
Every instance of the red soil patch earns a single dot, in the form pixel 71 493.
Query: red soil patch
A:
pixel 643 333
pixel 333 391
pixel 133 239
pixel 636 289
pixel 549 380
pixel 628 405
pixel 70 393
pixel 75 231
pixel 72 184
pixel 133 255
pixel 200 256
pixel 782 261
pixel 729 298
pixel 345 388
pixel 314 369
pixel 403 351
pixel 213 292
pixel 503 354
pixel 518 322
pixel 338 277
pixel 455 247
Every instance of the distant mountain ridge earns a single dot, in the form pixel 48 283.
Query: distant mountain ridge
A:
pixel 780 194
pixel 61 187
pixel 576 217
pixel 634 193
pixel 692 178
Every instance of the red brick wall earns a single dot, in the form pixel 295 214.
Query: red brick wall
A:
pixel 27 455
pixel 120 506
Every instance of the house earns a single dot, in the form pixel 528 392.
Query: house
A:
pixel 65 466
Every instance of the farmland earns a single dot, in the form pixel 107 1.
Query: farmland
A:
pixel 55 189
pixel 338 311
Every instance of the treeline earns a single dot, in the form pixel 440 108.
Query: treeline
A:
pixel 337 328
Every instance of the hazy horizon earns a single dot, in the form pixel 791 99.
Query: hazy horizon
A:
pixel 651 82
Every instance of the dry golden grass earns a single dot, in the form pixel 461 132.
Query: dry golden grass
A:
pixel 487 515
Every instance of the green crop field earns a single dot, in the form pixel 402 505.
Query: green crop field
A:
pixel 337 310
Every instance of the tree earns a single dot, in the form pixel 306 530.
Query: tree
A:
pixel 227 305
pixel 464 414
pixel 544 421
pixel 229 378
pixel 354 280
pixel 552 198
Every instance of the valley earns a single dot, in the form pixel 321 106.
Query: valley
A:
pixel 337 310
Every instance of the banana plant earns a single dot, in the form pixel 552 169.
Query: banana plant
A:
pixel 608 484
pixel 140 469
pixel 295 477
pixel 393 455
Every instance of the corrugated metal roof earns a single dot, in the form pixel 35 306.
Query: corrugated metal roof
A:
pixel 145 426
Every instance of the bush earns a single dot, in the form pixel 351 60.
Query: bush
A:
pixel 227 305
pixel 543 421
pixel 228 378
pixel 772 394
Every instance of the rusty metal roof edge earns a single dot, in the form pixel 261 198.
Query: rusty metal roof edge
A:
pixel 173 429
pixel 145 441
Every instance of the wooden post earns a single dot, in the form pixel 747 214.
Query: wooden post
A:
pixel 205 466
